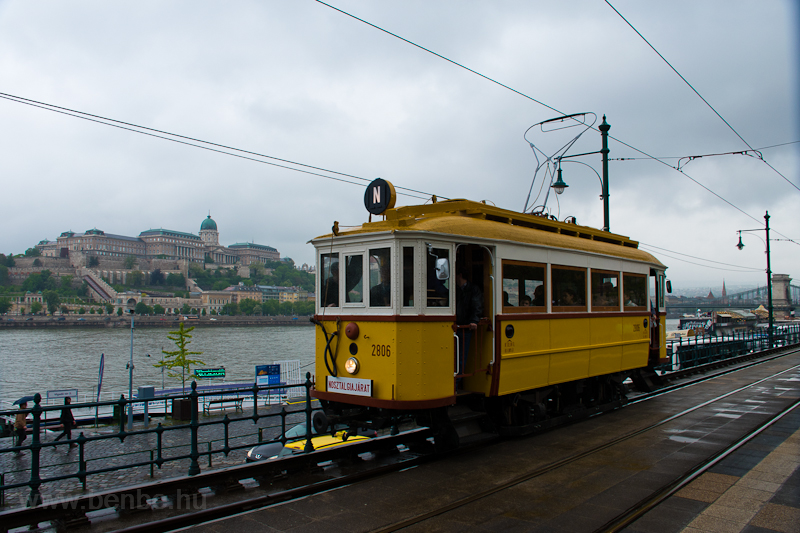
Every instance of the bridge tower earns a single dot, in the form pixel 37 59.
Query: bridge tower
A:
pixel 781 296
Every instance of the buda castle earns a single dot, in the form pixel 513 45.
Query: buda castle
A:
pixel 158 244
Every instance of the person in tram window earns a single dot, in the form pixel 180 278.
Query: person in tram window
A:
pixel 469 307
pixel 330 293
pixel 538 296
pixel 381 295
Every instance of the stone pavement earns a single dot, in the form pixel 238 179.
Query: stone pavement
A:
pixel 62 460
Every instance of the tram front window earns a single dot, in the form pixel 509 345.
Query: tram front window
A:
pixel 438 290
pixel 329 289
pixel 354 278
pixel 380 277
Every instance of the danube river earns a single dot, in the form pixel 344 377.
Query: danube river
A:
pixel 37 360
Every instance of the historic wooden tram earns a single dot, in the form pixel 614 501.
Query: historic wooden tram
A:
pixel 569 312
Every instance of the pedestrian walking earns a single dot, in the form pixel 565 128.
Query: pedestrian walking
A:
pixel 20 427
pixel 67 421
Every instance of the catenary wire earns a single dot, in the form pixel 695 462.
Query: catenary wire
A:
pixel 135 128
pixel 660 249
pixel 697 93
pixel 538 102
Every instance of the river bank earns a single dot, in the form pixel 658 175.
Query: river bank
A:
pixel 101 321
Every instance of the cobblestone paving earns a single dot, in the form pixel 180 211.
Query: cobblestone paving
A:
pixel 110 452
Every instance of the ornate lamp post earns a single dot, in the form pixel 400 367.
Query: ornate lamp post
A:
pixel 740 245
pixel 560 185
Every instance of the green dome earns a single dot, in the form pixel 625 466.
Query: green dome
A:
pixel 208 224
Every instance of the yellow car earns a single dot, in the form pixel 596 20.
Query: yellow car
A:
pixel 296 443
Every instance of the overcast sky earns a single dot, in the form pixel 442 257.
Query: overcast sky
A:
pixel 300 81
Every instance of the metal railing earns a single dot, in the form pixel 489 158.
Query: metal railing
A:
pixel 689 352
pixel 158 454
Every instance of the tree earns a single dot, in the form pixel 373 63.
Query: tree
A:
pixel 143 309
pixel 203 312
pixel 247 305
pixel 64 310
pixel 178 359
pixel 32 252
pixel 81 311
pixel 230 309
pixel 157 277
pixel 119 311
pixel 10 261
pixel 129 262
pixel 220 285
pixel 53 300
pixel 37 262
pixel 91 310
pixel 136 278
pixel 186 310
pixel 5 305
pixel 109 308
pixel 94 261
pixel 66 282
pixel 3 275
pixel 158 309
pixel 176 280
pixel 270 308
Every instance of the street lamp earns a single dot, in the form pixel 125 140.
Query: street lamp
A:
pixel 560 185
pixel 740 245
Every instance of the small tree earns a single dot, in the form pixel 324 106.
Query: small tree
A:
pixel 81 311
pixel 5 305
pixel 35 308
pixel 119 311
pixel 53 301
pixel 158 309
pixel 64 310
pixel 130 262
pixel 109 308
pixel 94 261
pixel 178 359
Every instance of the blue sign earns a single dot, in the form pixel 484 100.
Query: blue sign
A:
pixel 100 377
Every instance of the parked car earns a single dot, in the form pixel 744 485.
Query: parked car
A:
pixel 62 318
pixel 296 442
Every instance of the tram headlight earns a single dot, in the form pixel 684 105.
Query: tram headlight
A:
pixel 351 365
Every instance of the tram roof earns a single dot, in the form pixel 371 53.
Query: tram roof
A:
pixel 476 219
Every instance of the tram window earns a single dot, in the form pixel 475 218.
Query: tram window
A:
pixel 605 291
pixel 569 288
pixel 438 290
pixel 408 276
pixel 380 277
pixel 329 290
pixel 523 287
pixel 634 289
pixel 354 278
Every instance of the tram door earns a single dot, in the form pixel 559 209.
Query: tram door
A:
pixel 658 314
pixel 475 345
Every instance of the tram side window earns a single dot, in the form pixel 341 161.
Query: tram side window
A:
pixel 329 290
pixel 354 278
pixel 569 288
pixel 523 287
pixel 605 291
pixel 408 276
pixel 438 289
pixel 380 277
pixel 634 288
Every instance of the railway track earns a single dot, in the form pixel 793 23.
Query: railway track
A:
pixel 227 493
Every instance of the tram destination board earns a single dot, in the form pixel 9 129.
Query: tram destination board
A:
pixel 210 372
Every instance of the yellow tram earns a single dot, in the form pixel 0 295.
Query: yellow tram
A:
pixel 569 313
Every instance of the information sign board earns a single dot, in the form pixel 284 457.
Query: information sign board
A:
pixel 210 372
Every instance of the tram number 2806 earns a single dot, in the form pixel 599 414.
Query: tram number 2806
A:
pixel 381 350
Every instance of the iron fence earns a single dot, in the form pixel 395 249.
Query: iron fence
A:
pixel 689 352
pixel 159 454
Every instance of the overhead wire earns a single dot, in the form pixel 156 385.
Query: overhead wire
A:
pixel 663 250
pixel 697 93
pixel 135 128
pixel 520 93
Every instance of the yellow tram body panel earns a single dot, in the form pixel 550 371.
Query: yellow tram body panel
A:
pixel 555 350
pixel 406 361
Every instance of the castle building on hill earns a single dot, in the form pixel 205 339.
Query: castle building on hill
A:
pixel 160 244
